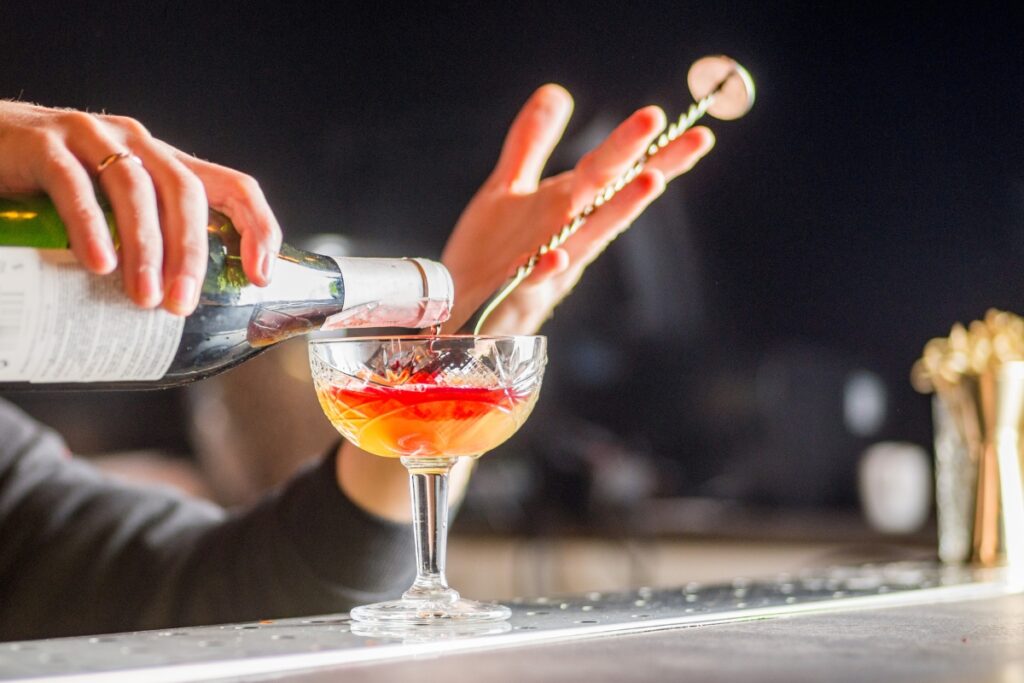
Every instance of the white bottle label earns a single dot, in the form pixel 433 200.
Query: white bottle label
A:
pixel 59 323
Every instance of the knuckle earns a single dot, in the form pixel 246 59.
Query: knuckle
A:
pixel 56 162
pixel 133 182
pixel 192 189
pixel 82 214
pixel 77 122
pixel 44 140
pixel 58 165
pixel 137 228
pixel 275 235
pixel 269 235
pixel 191 209
pixel 586 161
pixel 186 186
pixel 129 125
pixel 148 252
pixel 194 250
pixel 248 186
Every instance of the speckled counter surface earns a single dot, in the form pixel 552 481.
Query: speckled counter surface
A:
pixel 892 622
pixel 972 641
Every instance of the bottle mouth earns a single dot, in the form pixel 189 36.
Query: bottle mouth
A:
pixel 437 281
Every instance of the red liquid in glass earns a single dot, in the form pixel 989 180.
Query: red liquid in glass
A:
pixel 425 420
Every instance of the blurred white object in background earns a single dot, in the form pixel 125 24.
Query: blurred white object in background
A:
pixel 895 486
pixel 865 403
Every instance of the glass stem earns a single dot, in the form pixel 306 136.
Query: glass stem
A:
pixel 428 484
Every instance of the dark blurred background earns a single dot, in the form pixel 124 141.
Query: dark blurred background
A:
pixel 745 342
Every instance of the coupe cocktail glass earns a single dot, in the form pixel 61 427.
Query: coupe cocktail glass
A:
pixel 428 401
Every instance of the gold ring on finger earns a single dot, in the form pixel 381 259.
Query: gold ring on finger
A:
pixel 112 159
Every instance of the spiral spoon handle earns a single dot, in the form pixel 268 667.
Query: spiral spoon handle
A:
pixel 728 93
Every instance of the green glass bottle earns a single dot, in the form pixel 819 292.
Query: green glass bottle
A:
pixel 61 327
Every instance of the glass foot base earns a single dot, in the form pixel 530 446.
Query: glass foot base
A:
pixel 413 633
pixel 430 612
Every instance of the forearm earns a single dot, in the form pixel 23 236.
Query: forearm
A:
pixel 83 554
pixel 307 550
pixel 380 486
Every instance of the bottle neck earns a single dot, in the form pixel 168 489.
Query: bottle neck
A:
pixel 304 292
pixel 308 291
pixel 299 276
pixel 407 292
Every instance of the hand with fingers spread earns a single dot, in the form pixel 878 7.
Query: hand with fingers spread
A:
pixel 159 196
pixel 515 211
pixel 510 216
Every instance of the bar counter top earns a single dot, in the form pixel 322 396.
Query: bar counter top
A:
pixel 892 622
pixel 973 641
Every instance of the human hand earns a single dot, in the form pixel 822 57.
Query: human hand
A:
pixel 161 205
pixel 510 216
pixel 514 212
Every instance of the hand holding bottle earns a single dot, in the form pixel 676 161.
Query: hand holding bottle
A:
pixel 160 197
pixel 515 211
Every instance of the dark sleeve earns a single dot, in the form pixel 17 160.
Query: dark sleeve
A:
pixel 80 553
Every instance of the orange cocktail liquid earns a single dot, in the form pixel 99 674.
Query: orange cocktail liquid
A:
pixel 425 420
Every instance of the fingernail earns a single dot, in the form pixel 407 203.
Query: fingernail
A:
pixel 182 294
pixel 267 261
pixel 148 286
pixel 709 142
